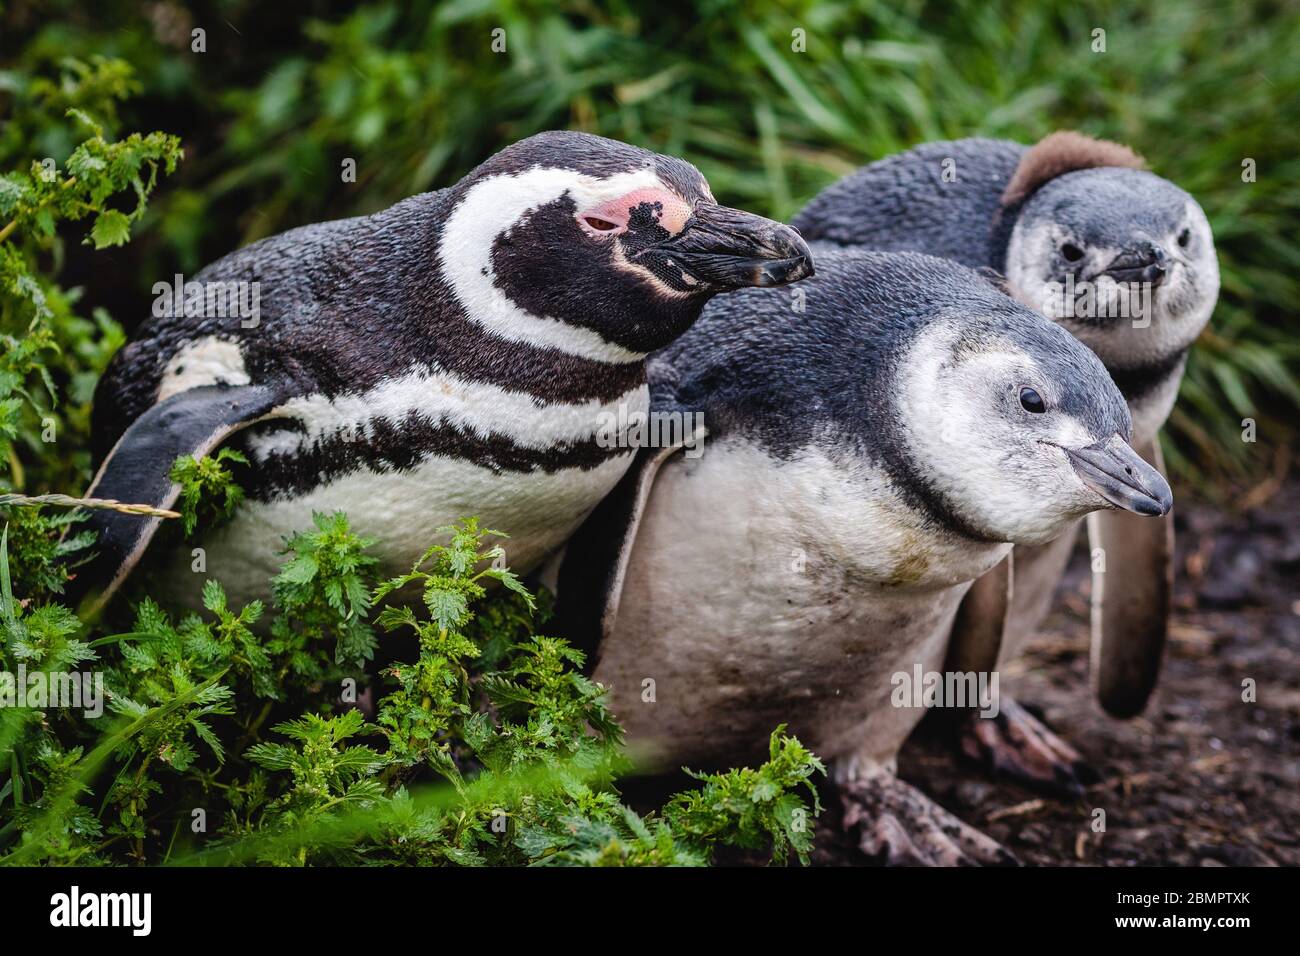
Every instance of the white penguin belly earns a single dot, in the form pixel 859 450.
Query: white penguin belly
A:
pixel 764 592
pixel 1152 410
pixel 403 510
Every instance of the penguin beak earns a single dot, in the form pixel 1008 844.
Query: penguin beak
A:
pixel 1145 262
pixel 729 249
pixel 1119 474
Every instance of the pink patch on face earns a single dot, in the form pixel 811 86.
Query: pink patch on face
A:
pixel 610 218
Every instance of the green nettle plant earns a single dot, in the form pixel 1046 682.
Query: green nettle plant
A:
pixel 489 748
pixel 51 357
pixel 207 483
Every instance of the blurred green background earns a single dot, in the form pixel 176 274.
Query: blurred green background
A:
pixel 416 95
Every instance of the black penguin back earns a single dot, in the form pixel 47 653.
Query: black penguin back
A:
pixel 339 305
pixel 918 201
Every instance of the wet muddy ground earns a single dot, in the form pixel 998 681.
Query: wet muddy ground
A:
pixel 1202 778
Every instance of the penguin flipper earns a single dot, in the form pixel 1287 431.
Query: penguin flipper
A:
pixel 982 619
pixel 1131 605
pixel 194 423
pixel 597 556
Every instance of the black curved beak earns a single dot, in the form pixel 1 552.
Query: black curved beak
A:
pixel 1120 475
pixel 1145 262
pixel 731 249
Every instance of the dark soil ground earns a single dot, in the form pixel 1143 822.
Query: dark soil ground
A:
pixel 1201 778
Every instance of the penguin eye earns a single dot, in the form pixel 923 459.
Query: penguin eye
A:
pixel 1031 401
pixel 600 225
pixel 1184 237
pixel 1071 252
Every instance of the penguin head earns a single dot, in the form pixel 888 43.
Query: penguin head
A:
pixel 1017 428
pixel 990 420
pixel 1121 257
pixel 623 245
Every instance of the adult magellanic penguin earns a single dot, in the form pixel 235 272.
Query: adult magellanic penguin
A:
pixel 449 356
pixel 866 460
pixel 1125 261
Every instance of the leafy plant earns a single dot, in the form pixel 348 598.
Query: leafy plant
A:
pixel 324 775
pixel 46 548
pixel 524 745
pixel 46 348
pixel 207 484
pixel 754 808
pixel 50 357
pixel 324 595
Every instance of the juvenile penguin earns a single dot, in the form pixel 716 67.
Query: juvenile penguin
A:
pixel 1125 261
pixel 866 460
pixel 452 355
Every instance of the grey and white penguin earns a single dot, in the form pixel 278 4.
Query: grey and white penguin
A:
pixel 866 461
pixel 449 356
pixel 1125 261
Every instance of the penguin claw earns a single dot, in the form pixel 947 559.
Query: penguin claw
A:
pixel 1018 745
pixel 894 824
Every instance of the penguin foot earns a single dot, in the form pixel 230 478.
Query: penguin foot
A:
pixel 897 825
pixel 1017 744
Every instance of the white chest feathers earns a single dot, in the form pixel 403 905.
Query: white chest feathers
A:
pixel 763 591
pixel 404 509
pixel 1151 409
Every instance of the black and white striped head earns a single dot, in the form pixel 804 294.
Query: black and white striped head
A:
pixel 1121 257
pixel 602 249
